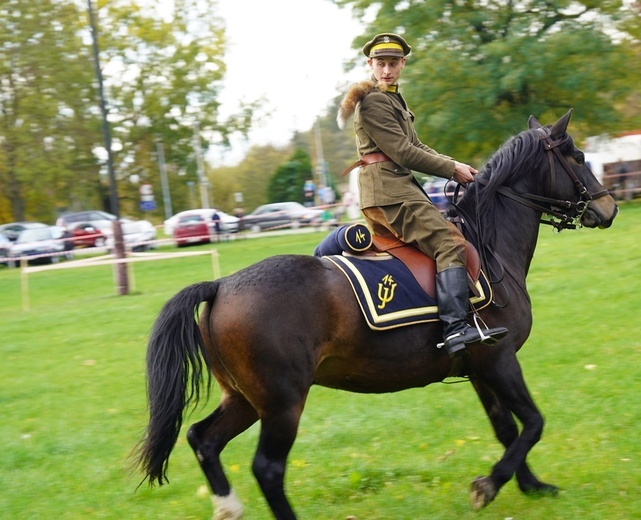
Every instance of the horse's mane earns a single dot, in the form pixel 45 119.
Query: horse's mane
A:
pixel 519 157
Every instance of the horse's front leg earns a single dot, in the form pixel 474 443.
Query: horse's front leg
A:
pixel 504 396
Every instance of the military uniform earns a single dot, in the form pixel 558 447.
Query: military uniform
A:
pixel 391 199
pixel 383 123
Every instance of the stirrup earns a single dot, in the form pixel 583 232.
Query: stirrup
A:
pixel 489 336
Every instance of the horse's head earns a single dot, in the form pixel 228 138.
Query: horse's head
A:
pixel 575 197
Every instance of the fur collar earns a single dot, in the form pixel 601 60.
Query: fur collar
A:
pixel 355 95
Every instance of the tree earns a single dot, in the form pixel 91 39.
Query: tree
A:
pixel 167 76
pixel 163 73
pixel 48 124
pixel 251 178
pixel 479 68
pixel 287 182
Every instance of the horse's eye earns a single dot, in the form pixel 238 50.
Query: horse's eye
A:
pixel 579 158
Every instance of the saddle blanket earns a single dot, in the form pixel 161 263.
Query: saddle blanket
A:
pixel 390 296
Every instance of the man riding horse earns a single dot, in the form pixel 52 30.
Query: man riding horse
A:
pixel 393 202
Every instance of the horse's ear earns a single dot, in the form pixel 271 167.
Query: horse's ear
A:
pixel 533 123
pixel 559 128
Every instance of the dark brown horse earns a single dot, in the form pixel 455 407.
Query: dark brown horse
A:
pixel 249 334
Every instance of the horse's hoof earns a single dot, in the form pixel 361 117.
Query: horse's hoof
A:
pixel 482 492
pixel 542 490
pixel 227 507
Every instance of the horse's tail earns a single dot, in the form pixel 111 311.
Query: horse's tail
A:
pixel 176 367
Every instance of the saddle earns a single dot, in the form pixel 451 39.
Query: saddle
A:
pixel 422 267
pixel 356 240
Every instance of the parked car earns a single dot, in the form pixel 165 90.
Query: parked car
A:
pixel 191 229
pixel 440 192
pixel 138 235
pixel 90 234
pixel 39 245
pixel 67 220
pixel 228 223
pixel 5 244
pixel 280 214
pixel 13 229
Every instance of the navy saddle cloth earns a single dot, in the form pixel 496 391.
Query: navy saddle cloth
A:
pixel 386 290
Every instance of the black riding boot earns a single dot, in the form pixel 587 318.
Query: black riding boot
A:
pixel 452 296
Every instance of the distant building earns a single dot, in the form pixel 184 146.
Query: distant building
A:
pixel 605 150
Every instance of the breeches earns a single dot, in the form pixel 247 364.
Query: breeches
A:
pixel 419 223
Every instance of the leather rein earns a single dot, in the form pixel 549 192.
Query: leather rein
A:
pixel 563 214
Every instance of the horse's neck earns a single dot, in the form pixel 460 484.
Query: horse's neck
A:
pixel 512 245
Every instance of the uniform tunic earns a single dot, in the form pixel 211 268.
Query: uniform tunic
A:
pixel 391 199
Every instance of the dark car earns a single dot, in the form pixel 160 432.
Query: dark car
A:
pixel 191 229
pixel 67 220
pixel 280 214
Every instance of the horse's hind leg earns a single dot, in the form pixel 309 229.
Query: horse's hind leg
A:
pixel 209 437
pixel 277 435
pixel 501 399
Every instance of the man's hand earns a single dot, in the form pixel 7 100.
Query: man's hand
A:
pixel 463 173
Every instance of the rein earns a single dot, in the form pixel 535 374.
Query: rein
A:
pixel 463 220
pixel 564 214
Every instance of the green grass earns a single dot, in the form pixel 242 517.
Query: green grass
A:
pixel 72 395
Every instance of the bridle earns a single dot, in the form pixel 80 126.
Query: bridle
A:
pixel 563 214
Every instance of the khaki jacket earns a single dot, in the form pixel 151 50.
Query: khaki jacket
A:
pixel 383 123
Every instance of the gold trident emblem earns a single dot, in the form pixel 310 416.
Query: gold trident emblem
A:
pixel 386 288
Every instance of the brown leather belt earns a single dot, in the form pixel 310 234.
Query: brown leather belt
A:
pixel 369 158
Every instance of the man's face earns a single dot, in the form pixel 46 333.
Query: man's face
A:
pixel 386 68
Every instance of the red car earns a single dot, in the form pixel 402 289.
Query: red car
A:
pixel 89 234
pixel 191 229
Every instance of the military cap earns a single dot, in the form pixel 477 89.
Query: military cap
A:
pixel 386 44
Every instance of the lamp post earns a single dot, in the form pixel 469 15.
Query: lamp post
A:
pixel 119 247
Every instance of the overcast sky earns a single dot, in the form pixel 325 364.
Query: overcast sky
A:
pixel 289 52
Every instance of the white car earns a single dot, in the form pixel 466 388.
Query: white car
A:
pixel 228 223
pixel 138 235
pixel 37 245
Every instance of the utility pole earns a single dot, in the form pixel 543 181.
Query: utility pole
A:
pixel 166 198
pixel 320 158
pixel 202 179
pixel 119 246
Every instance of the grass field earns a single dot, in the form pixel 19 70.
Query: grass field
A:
pixel 73 401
